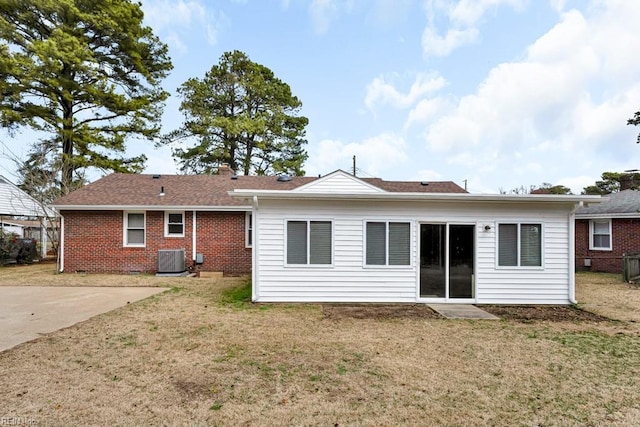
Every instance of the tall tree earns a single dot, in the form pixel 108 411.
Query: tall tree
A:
pixel 610 183
pixel 544 188
pixel 86 73
pixel 636 122
pixel 242 115
pixel 547 188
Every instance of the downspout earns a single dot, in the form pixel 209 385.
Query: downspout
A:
pixel 193 237
pixel 43 237
pixel 61 246
pixel 572 253
pixel 254 251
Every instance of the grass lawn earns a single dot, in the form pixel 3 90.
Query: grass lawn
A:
pixel 198 355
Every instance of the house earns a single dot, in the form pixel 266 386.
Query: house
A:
pixel 15 204
pixel 607 231
pixel 344 239
pixel 12 227
pixel 126 223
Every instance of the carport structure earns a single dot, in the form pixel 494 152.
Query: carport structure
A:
pixel 16 203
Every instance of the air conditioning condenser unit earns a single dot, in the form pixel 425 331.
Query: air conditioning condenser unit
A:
pixel 171 260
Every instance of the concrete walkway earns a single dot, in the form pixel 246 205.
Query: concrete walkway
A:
pixel 462 311
pixel 28 312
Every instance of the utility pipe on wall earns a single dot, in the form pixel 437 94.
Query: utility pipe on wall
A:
pixel 193 237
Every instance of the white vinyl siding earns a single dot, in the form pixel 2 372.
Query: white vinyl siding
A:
pixel 388 243
pixel 174 224
pixel 338 183
pixel 600 235
pixel 520 245
pixel 309 242
pixel 350 280
pixel 134 229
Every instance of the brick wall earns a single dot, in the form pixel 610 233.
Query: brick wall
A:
pixel 625 235
pixel 93 242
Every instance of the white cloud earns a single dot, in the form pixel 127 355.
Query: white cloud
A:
pixel 374 156
pixel 464 18
pixel 218 22
pixel 176 42
pixel 427 175
pixel 434 44
pixel 558 112
pixel 381 90
pixel 176 20
pixel 323 12
pixel 470 12
pixel 427 109
pixel 577 183
pixel 172 13
pixel 552 94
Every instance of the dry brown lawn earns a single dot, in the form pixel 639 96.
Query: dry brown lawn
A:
pixel 607 295
pixel 185 358
pixel 45 275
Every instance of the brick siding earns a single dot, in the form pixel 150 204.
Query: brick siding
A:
pixel 625 235
pixel 93 242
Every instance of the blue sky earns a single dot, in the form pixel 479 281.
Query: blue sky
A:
pixel 501 93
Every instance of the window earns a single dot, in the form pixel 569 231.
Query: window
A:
pixel 248 229
pixel 309 242
pixel 388 243
pixel 174 224
pixel 134 228
pixel 600 235
pixel 520 245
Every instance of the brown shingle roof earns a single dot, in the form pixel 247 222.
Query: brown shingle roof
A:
pixel 206 190
pixel 416 186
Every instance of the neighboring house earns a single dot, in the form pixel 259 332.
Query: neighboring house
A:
pixel 342 239
pixel 126 223
pixel 31 229
pixel 12 227
pixel 607 231
pixel 15 203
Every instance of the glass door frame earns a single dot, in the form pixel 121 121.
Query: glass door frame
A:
pixel 446 298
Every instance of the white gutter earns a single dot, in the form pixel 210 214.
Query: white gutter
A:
pixel 61 247
pixel 254 250
pixel 609 215
pixel 571 218
pixel 193 236
pixel 445 197
pixel 43 237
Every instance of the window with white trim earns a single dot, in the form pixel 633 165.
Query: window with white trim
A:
pixel 174 224
pixel 248 229
pixel 388 243
pixel 134 228
pixel 309 243
pixel 600 234
pixel 520 245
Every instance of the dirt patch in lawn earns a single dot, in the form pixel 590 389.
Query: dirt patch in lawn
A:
pixel 515 313
pixel 553 313
pixel 378 311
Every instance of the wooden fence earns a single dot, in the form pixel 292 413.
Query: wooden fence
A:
pixel 631 268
